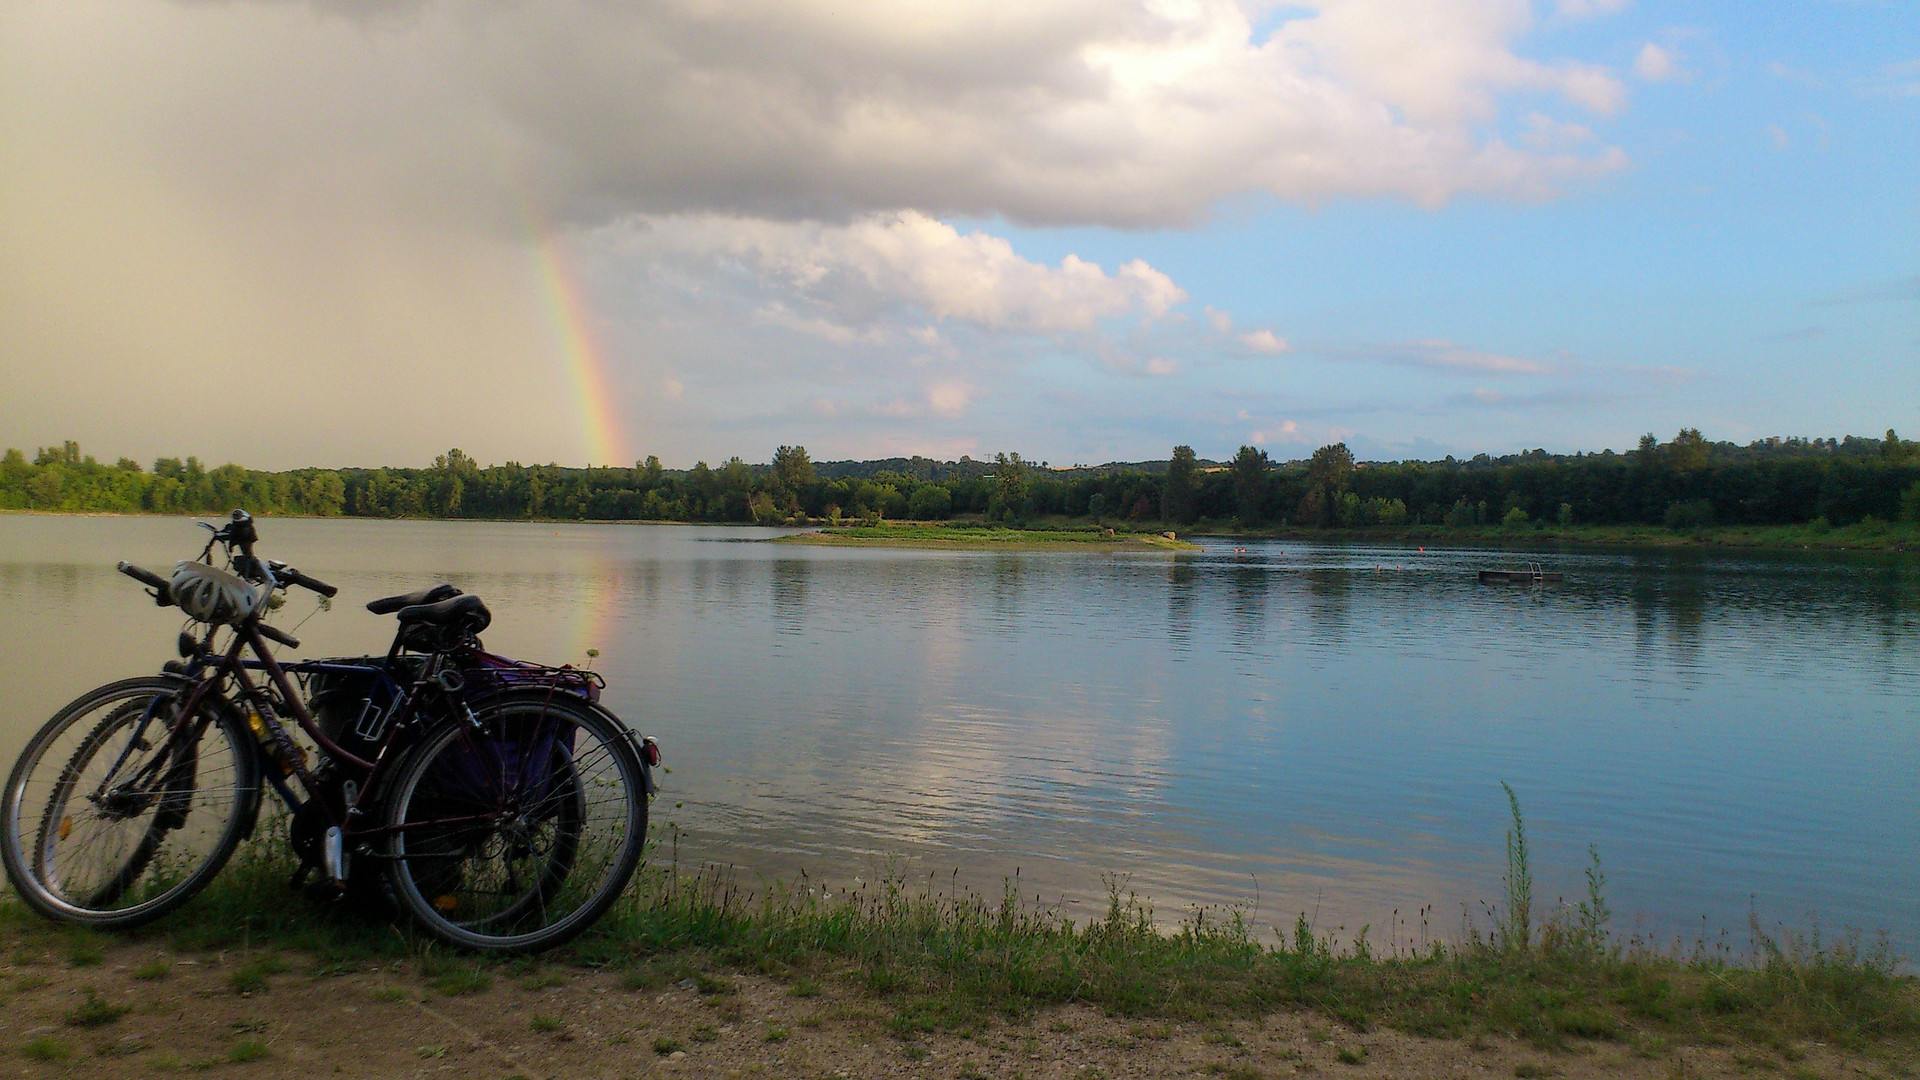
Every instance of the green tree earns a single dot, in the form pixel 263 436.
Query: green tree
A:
pixel 1249 473
pixel 793 469
pixel 1910 504
pixel 45 486
pixel 1688 450
pixel 1177 494
pixel 763 511
pixel 1009 486
pixel 1329 474
pixel 1331 467
pixel 930 502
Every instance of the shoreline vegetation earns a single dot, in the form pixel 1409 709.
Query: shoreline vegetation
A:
pixel 963 536
pixel 1840 494
pixel 921 959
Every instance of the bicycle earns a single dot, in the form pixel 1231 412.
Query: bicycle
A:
pixel 505 807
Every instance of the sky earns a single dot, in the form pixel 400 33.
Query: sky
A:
pixel 361 232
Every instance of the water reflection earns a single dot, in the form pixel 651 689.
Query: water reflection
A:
pixel 790 594
pixel 1310 722
pixel 1327 604
pixel 1182 580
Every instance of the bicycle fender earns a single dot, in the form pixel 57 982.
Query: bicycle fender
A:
pixel 639 744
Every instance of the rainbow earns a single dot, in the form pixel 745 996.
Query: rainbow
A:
pixel 572 321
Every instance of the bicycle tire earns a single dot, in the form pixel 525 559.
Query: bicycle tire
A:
pixel 141 847
pixel 516 830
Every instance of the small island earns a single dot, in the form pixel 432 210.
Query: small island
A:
pixel 922 534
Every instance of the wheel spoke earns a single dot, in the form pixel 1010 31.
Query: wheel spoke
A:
pixel 128 811
pixel 564 788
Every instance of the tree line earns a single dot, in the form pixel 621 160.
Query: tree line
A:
pixel 1687 482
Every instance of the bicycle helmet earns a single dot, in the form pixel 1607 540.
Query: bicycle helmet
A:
pixel 212 595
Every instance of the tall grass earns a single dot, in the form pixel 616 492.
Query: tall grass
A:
pixel 1519 878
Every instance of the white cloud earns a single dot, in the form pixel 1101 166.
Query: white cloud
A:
pixel 1778 136
pixel 1543 132
pixel 1286 431
pixel 1265 341
pixel 1901 80
pixel 950 398
pixel 886 261
pixel 348 190
pixel 1221 321
pixel 1657 64
pixel 778 314
pixel 1132 112
pixel 1438 354
pixel 1160 366
pixel 1796 75
pixel 1588 9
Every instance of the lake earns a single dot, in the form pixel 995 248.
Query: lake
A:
pixel 1287 727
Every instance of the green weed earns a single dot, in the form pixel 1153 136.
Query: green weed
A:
pixel 95 1011
pixel 46 1048
pixel 251 977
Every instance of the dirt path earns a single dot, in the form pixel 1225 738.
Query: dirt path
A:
pixel 82 1009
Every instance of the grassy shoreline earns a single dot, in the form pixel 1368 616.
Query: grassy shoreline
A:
pixel 935 959
pixel 983 537
pixel 1870 539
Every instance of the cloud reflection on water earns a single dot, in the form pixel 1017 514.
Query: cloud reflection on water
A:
pixel 1323 726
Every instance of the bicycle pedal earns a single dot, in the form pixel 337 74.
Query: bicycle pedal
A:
pixel 334 851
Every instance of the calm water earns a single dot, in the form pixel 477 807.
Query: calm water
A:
pixel 1309 728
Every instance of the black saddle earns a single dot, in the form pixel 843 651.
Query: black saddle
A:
pixel 387 605
pixel 459 614
pixel 436 617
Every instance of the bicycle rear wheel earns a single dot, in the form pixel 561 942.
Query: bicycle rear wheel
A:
pixel 516 830
pixel 120 809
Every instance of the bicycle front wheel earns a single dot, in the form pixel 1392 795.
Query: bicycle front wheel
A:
pixel 517 829
pixel 121 807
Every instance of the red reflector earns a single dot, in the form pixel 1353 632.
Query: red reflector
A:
pixel 650 752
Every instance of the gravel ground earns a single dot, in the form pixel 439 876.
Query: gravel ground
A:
pixel 132 1008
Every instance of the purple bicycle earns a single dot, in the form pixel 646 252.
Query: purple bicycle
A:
pixel 497 802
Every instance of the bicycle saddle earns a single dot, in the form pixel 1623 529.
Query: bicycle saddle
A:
pixel 387 605
pixel 462 614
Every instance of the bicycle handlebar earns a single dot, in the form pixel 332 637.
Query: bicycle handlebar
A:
pixel 162 595
pixel 290 576
pixel 239 532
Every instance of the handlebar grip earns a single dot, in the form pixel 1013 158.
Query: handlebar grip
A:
pixel 280 636
pixel 162 595
pixel 295 577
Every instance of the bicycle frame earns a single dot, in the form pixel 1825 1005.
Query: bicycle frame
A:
pixel 407 708
pixel 231 665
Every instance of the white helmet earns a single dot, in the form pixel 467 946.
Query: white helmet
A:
pixel 212 595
